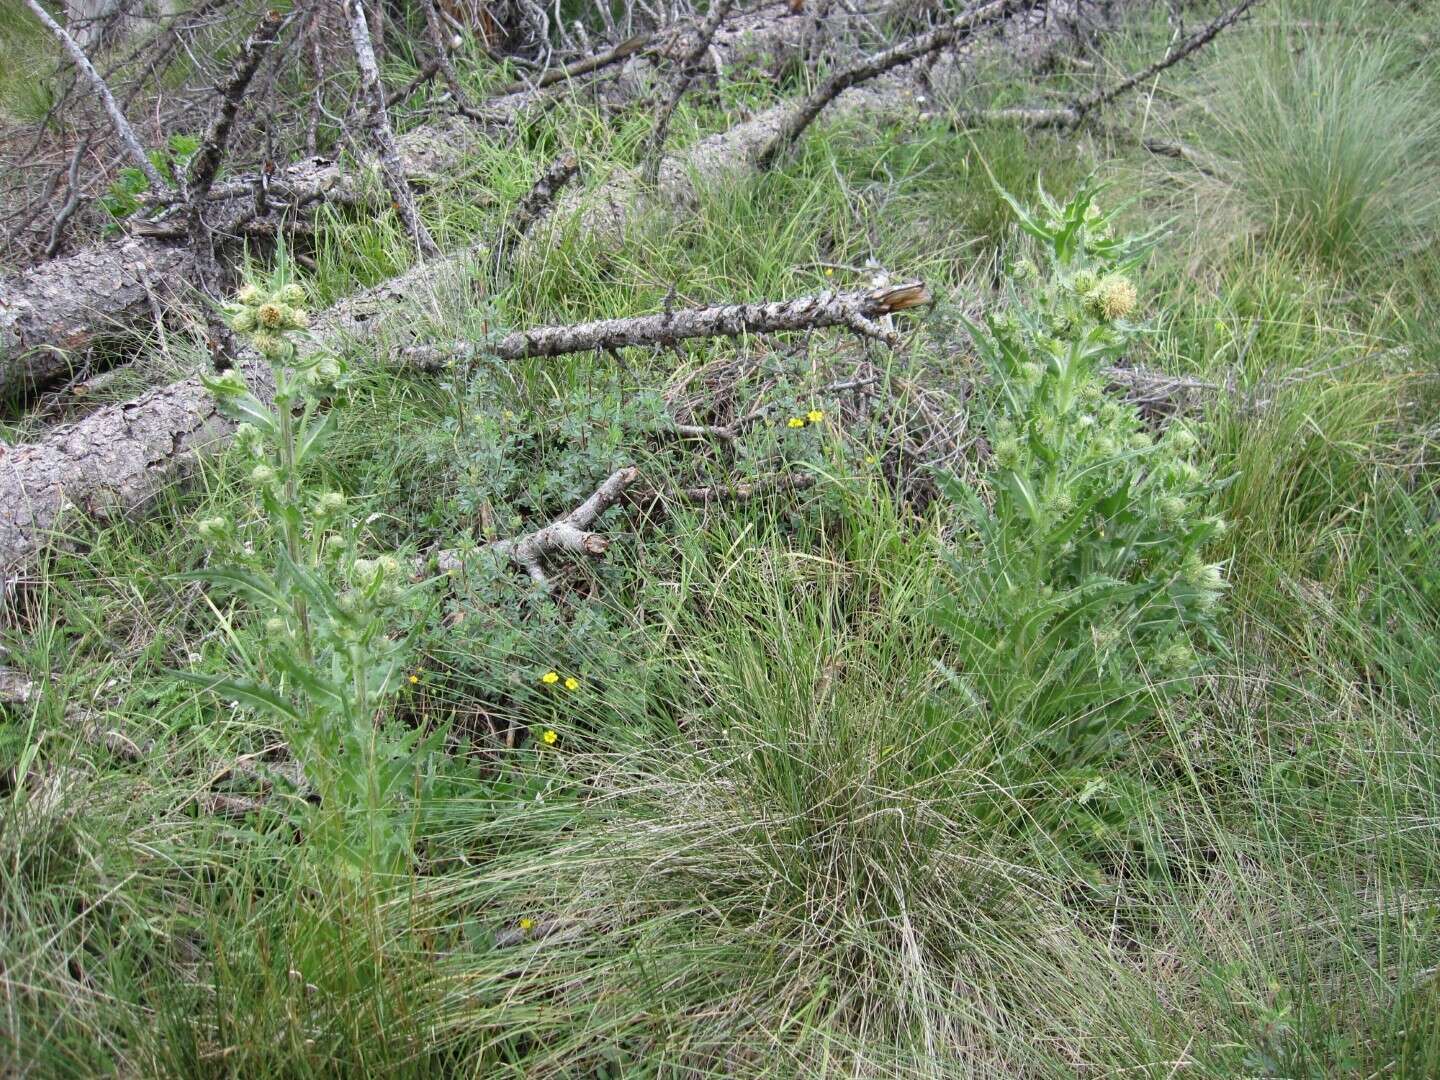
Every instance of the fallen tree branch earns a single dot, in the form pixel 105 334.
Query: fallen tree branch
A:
pixel 1073 115
pixel 570 534
pixel 856 310
pixel 119 457
pixel 206 162
pixel 536 203
pixel 382 135
pixel 689 68
pixel 54 316
pixel 585 66
pixel 123 130
pixel 72 198
pixel 965 27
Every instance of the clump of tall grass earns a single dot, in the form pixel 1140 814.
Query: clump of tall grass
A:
pixel 1332 142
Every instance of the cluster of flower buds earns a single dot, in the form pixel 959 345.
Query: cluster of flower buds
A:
pixel 266 317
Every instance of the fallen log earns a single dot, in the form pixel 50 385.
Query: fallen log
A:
pixel 118 458
pixel 57 316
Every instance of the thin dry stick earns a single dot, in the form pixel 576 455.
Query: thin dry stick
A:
pixel 689 68
pixel 436 33
pixel 72 200
pixel 1072 115
pixel 973 21
pixel 623 51
pixel 378 121
pixel 534 206
pixel 122 126
pixel 857 310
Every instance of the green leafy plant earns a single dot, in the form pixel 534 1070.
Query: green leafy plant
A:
pixel 172 161
pixel 330 658
pixel 1080 589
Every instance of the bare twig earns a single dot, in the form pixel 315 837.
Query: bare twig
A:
pixel 966 26
pixel 570 533
pixel 623 51
pixel 857 310
pixel 689 68
pixel 1074 114
pixel 72 199
pixel 378 121
pixel 122 126
pixel 206 162
pixel 535 205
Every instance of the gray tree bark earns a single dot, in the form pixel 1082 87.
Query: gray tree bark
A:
pixel 55 316
pixel 119 457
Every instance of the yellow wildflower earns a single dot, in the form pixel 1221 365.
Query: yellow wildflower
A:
pixel 829 271
pixel 869 459
pixel 550 678
pixel 795 422
pixel 572 683
pixel 527 924
pixel 549 737
pixel 414 679
pixel 815 416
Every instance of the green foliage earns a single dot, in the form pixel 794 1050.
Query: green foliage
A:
pixel 1080 590
pixel 172 161
pixel 329 662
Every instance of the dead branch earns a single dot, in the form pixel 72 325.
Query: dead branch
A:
pixel 436 33
pixel 381 133
pixel 1072 115
pixel 962 29
pixel 689 68
pixel 123 130
pixel 535 205
pixel 570 534
pixel 623 51
pixel 856 310
pixel 72 198
pixel 206 162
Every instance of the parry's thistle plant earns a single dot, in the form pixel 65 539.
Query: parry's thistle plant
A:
pixel 1093 595
pixel 331 658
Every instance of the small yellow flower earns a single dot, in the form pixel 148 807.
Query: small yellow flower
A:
pixel 869 459
pixel 549 737
pixel 795 422
pixel 572 683
pixel 815 416
pixel 829 271
pixel 527 924
pixel 550 678
pixel 414 679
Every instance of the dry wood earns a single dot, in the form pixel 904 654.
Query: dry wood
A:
pixel 118 458
pixel 55 316
pixel 123 130
pixel 1072 115
pixel 570 534
pixel 856 310
pixel 206 162
pixel 962 29
pixel 377 120
pixel 689 68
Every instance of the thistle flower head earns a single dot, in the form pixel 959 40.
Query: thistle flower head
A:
pixel 292 294
pixel 211 529
pixel 1114 298
pixel 272 316
pixel 263 475
pixel 250 296
pixel 242 320
pixel 330 504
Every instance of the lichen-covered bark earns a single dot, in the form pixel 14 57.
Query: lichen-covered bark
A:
pixel 54 315
pixel 119 457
